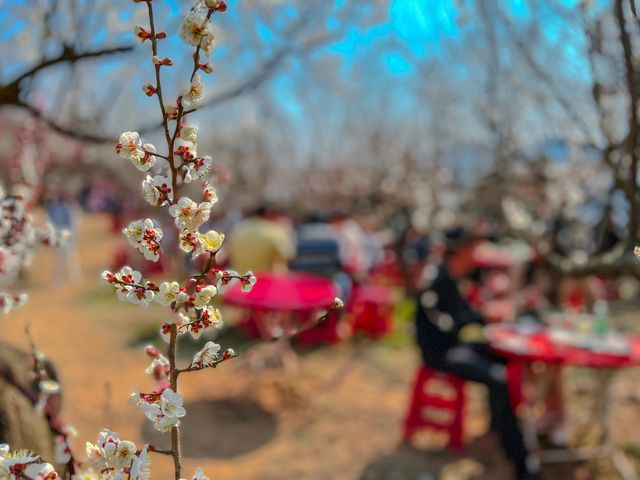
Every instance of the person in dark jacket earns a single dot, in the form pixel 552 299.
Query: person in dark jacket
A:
pixel 449 333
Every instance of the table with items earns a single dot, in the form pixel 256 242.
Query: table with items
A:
pixel 576 340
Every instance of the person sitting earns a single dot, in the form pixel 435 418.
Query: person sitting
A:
pixel 259 244
pixel 320 252
pixel 449 334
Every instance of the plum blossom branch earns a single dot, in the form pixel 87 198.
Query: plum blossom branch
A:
pixel 189 301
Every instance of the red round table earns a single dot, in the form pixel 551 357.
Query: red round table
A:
pixel 540 347
pixel 282 305
pixel 284 292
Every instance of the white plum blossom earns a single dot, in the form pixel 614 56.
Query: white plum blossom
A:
pixel 210 195
pixel 62 452
pixel 88 474
pixel 210 241
pixel 128 286
pixel 149 160
pixel 165 424
pixel 166 413
pixel 19 459
pixel 140 296
pixel 248 280
pixel 24 464
pixel 204 295
pixel 131 147
pixel 198 168
pixel 128 277
pixel 190 300
pixel 157 190
pixel 189 215
pixel 194 92
pixel 188 241
pixel 196 31
pixel 135 231
pixel 114 457
pixel 186 149
pixel 199 475
pixel 20 236
pixel 93 456
pixel 171 404
pixel 40 471
pixel 145 237
pixel 207 356
pixel 141 466
pixel 9 302
pixel 123 456
pixel 151 410
pixel 170 292
pixel 215 317
pixel 189 133
pixel 209 316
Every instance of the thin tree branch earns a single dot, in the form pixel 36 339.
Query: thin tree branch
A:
pixel 262 74
pixel 68 131
pixel 69 55
pixel 633 132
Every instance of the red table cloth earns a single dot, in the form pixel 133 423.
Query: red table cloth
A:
pixel 540 346
pixel 285 291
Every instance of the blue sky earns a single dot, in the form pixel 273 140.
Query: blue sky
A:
pixel 419 24
pixel 386 49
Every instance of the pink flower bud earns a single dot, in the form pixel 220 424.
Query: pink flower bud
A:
pixel 216 5
pixel 205 67
pixel 141 34
pixel 151 351
pixel 149 90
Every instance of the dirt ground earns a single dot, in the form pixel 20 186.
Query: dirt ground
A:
pixel 338 418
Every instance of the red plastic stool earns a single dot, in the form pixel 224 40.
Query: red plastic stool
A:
pixel 447 401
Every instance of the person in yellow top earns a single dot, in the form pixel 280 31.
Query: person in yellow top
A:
pixel 259 244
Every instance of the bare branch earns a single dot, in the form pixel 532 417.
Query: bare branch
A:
pixel 633 129
pixel 10 93
pixel 67 131
pixel 262 74
pixel 70 55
